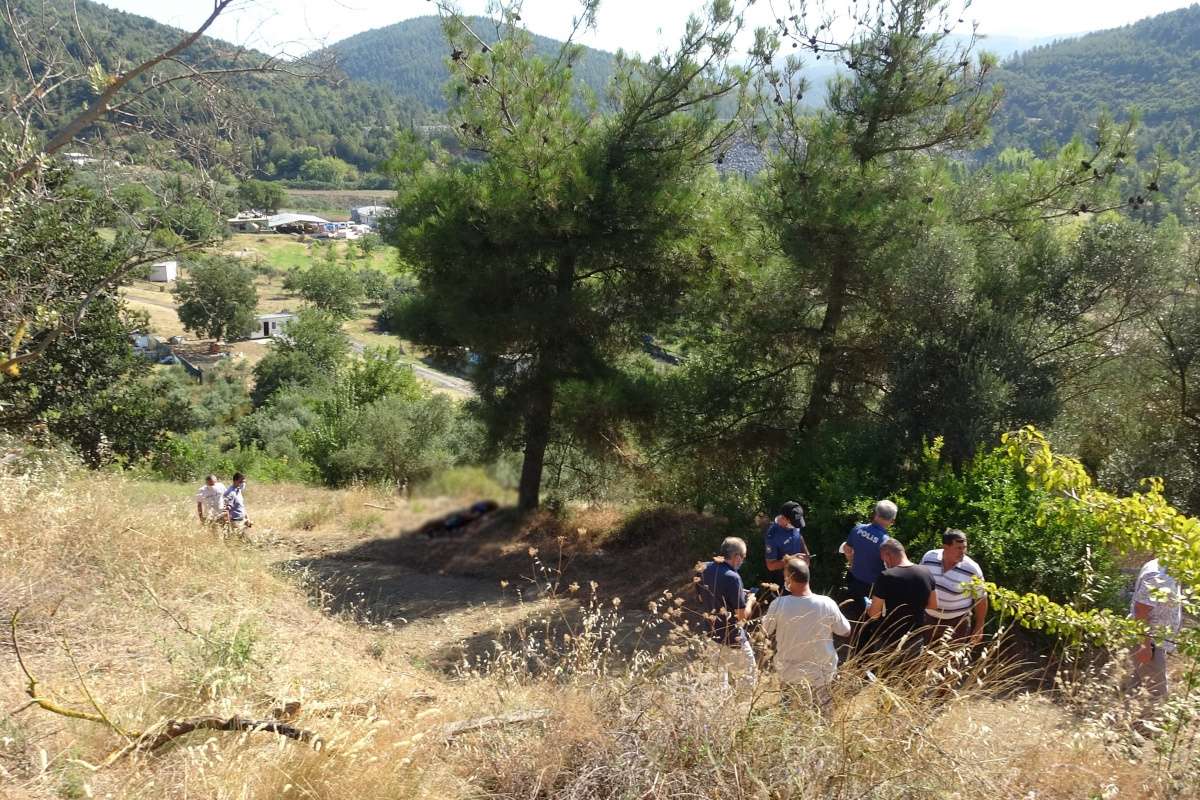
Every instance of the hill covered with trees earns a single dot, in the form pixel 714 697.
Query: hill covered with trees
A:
pixel 276 121
pixel 1055 91
pixel 410 58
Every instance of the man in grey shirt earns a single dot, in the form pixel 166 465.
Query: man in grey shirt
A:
pixel 804 624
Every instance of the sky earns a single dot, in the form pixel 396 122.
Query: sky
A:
pixel 643 26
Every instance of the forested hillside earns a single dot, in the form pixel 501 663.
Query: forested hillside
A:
pixel 1055 91
pixel 410 58
pixel 277 122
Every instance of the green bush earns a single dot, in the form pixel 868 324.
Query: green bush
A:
pixel 990 500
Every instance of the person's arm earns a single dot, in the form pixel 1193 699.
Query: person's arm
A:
pixel 981 609
pixel 736 599
pixel 200 508
pixel 876 609
pixel 743 613
pixel 841 625
pixel 774 557
pixel 1145 651
pixel 804 550
pixel 770 619
pixel 932 603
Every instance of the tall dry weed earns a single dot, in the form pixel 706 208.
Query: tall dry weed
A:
pixel 123 594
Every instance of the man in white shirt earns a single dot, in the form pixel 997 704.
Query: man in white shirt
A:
pixel 804 624
pixel 210 500
pixel 960 614
pixel 1158 602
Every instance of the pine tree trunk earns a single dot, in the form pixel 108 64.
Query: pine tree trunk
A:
pixel 827 353
pixel 537 437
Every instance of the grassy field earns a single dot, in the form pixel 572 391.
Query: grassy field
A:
pixel 279 253
pixel 335 204
pixel 285 252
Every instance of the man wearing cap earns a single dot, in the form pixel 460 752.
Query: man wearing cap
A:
pixel 785 538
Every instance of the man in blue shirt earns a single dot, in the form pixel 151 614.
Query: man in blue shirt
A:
pixel 862 554
pixel 235 507
pixel 785 538
pixel 726 606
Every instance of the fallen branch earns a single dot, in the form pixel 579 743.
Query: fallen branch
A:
pixel 455 729
pixel 381 508
pixel 163 732
pixel 173 729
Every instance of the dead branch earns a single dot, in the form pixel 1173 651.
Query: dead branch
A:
pixel 103 102
pixel 455 729
pixel 173 729
pixel 162 732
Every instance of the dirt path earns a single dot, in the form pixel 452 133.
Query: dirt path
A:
pixel 433 618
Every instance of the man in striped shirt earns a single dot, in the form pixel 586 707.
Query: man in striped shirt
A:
pixel 959 612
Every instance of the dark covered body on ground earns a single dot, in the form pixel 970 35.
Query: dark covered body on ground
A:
pixel 457 521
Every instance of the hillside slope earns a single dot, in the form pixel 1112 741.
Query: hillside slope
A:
pixel 1055 91
pixel 276 121
pixel 128 606
pixel 409 58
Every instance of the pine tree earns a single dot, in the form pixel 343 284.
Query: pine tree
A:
pixel 570 239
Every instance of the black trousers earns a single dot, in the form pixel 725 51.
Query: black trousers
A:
pixel 855 607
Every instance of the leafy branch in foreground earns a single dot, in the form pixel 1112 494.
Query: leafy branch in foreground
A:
pixel 1142 522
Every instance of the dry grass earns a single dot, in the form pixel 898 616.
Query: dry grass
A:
pixel 162 618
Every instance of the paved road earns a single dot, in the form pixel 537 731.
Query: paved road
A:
pixel 133 298
pixel 443 380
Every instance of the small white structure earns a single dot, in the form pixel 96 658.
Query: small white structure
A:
pixel 78 159
pixel 268 326
pixel 247 222
pixel 164 272
pixel 370 215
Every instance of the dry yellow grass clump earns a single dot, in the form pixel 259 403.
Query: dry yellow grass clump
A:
pixel 130 610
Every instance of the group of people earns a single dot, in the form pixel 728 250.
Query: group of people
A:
pixel 223 506
pixel 891 603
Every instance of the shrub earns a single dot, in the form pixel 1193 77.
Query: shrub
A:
pixel 991 501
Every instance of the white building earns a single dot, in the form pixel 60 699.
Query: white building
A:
pixel 268 326
pixel 247 222
pixel 164 272
pixel 370 215
pixel 296 223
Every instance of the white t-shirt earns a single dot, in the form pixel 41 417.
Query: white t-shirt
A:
pixel 212 500
pixel 803 626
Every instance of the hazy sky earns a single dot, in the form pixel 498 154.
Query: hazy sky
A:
pixel 636 25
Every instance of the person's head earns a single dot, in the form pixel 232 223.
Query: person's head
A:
pixel 795 575
pixel 791 515
pixel 210 479
pixel 238 479
pixel 884 514
pixel 892 553
pixel 733 550
pixel 954 545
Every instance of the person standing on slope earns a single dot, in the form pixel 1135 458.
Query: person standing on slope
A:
pixel 785 538
pixel 804 624
pixel 862 554
pixel 210 500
